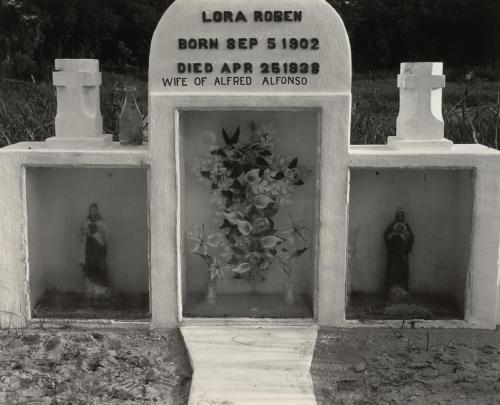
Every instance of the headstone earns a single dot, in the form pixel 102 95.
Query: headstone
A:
pixel 247 47
pixel 420 121
pixel 78 122
pixel 222 65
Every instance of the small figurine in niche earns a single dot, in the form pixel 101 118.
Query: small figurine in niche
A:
pixel 93 254
pixel 398 238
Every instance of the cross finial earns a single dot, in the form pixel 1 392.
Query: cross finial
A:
pixel 78 122
pixel 420 120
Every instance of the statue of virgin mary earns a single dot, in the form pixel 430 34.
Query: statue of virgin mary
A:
pixel 93 235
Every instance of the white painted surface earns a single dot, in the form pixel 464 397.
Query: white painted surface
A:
pixel 251 365
pixel 328 91
pixel 58 202
pixel 183 20
pixel 438 207
pixel 78 121
pixel 14 287
pixel 330 94
pixel 482 297
pixel 420 120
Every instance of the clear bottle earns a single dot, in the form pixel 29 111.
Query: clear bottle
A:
pixel 130 123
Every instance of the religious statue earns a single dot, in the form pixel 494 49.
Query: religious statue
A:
pixel 93 235
pixel 398 238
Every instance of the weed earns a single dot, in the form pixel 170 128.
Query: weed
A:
pixel 471 109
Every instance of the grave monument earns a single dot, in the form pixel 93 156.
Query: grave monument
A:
pixel 249 202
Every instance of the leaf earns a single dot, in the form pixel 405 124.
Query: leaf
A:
pixel 226 137
pixel 285 268
pixel 271 210
pixel 293 164
pixel 205 174
pixel 237 185
pixel 239 251
pixel 237 171
pixel 225 224
pixel 266 152
pixel 261 161
pixel 219 152
pixel 232 260
pixel 236 136
pixel 299 183
pixel 299 252
pixel 279 176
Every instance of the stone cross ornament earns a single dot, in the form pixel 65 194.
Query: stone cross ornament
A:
pixel 78 121
pixel 420 120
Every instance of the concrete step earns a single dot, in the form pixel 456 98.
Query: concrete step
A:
pixel 244 365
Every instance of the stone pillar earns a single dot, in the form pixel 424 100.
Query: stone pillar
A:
pixel 420 120
pixel 78 122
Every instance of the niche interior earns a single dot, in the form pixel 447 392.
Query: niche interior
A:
pixel 437 206
pixel 59 201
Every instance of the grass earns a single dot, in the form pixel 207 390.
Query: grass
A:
pixel 471 110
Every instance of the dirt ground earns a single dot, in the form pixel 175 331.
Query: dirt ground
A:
pixel 93 367
pixel 351 366
pixel 407 366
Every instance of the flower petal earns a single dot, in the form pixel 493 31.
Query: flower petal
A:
pixel 243 268
pixel 268 242
pixel 252 176
pixel 262 201
pixel 244 227
pixel 233 217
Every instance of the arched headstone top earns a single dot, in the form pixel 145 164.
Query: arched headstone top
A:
pixel 227 46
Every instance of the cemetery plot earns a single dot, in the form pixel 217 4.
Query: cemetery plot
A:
pixel 409 243
pixel 88 242
pixel 248 212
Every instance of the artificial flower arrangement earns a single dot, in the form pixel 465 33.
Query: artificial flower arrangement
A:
pixel 249 183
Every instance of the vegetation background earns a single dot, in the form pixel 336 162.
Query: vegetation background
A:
pixel 464 34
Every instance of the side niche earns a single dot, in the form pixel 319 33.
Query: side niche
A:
pixel 249 212
pixel 409 243
pixel 88 242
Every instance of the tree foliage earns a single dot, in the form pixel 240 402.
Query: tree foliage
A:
pixel 383 33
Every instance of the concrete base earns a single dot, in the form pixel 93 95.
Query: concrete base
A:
pixel 395 142
pixel 251 365
pixel 82 143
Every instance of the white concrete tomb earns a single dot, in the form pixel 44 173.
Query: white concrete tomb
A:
pixel 247 65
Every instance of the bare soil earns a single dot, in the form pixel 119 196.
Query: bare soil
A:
pixel 350 366
pixel 407 366
pixel 93 367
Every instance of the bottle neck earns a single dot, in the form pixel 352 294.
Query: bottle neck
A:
pixel 130 99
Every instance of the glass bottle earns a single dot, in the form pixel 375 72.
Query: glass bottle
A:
pixel 130 123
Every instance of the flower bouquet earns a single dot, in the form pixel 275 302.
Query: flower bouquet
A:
pixel 250 183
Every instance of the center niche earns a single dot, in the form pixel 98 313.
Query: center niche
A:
pixel 249 212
